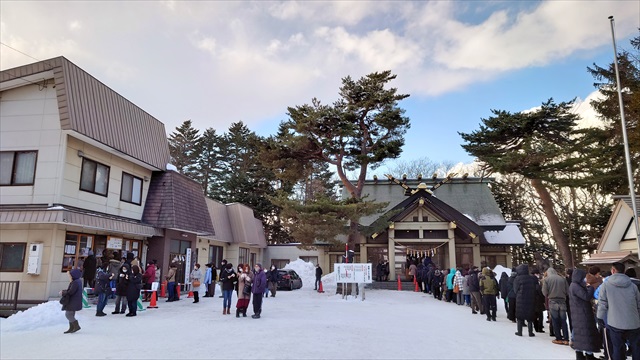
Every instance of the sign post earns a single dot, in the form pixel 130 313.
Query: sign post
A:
pixel 354 273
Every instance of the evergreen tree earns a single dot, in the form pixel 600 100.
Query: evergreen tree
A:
pixel 611 161
pixel 209 161
pixel 543 146
pixel 183 149
pixel 359 131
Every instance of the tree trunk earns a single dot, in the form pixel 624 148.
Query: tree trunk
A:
pixel 556 228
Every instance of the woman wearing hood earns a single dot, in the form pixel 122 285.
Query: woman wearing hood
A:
pixel 259 284
pixel 72 300
pixel 586 337
pixel 524 287
pixel 450 285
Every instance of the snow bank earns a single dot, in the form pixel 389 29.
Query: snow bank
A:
pixel 499 269
pixel 43 315
pixel 307 271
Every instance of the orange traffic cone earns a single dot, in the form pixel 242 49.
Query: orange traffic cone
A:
pixel 320 290
pixel 153 304
pixel 399 284
pixel 190 294
pixel 163 289
pixel 417 288
pixel 178 291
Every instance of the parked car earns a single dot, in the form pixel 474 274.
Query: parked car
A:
pixel 289 279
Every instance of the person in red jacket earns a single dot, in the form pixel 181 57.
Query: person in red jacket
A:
pixel 148 278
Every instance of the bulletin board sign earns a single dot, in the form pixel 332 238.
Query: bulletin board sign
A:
pixel 114 243
pixel 353 273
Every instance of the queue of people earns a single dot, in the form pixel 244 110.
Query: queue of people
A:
pixel 591 311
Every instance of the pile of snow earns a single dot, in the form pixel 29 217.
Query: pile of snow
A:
pixel 45 314
pixel 307 271
pixel 499 269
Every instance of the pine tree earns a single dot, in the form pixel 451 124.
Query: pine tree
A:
pixel 359 131
pixel 209 161
pixel 183 147
pixel 544 146
pixel 611 161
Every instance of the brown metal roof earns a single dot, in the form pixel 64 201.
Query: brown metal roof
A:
pixel 91 108
pixel 176 202
pixel 61 215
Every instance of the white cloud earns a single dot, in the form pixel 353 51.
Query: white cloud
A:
pixel 250 60
pixel 75 25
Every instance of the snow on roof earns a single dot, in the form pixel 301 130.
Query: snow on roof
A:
pixel 510 235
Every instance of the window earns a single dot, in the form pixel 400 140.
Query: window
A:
pixel 311 259
pixel 94 177
pixel 76 249
pixel 254 256
pixel 215 255
pixel 279 263
pixel 12 257
pixel 243 257
pixel 131 190
pixel 17 167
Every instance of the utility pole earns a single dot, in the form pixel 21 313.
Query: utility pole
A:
pixel 632 192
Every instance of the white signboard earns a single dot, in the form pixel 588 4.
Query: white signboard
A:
pixel 114 243
pixel 187 266
pixel 353 273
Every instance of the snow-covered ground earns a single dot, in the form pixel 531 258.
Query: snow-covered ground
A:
pixel 299 324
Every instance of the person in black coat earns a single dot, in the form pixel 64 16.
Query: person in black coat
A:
pixel 121 289
pixel 436 282
pixel 539 304
pixel 524 286
pixel 89 270
pixel 586 337
pixel 318 276
pixel 134 284
pixel 72 300
pixel 511 294
pixel 503 285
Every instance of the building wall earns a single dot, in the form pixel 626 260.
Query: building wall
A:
pixel 50 280
pixel 292 253
pixel 29 121
pixel 111 204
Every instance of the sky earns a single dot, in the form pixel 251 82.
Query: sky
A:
pixel 219 62
pixel 299 324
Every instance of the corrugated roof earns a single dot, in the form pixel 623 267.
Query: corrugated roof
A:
pixel 471 197
pixel 627 200
pixel 91 108
pixel 176 202
pixel 611 257
pixel 76 217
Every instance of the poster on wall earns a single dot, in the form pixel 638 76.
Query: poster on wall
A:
pixel 114 243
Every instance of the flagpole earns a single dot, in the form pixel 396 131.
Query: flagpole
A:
pixel 632 192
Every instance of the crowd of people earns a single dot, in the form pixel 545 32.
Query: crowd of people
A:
pixel 592 311
pixel 122 279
